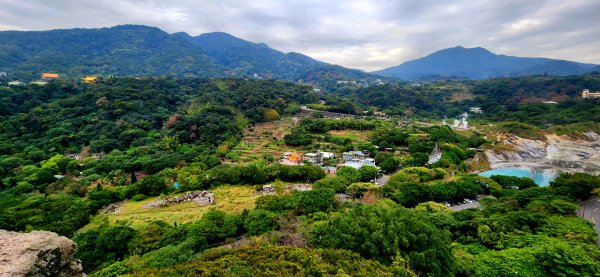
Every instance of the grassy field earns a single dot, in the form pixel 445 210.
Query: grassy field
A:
pixel 231 199
pixel 461 96
pixel 354 135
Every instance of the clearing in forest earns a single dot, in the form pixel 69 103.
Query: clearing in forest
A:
pixel 264 138
pixel 230 199
pixel 354 135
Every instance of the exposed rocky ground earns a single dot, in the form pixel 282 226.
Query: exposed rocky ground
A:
pixel 556 153
pixel 202 198
pixel 112 208
pixel 270 189
pixel 39 253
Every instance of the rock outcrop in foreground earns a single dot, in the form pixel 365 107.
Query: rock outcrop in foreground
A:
pixel 38 253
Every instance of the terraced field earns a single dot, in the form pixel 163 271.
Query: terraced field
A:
pixel 264 138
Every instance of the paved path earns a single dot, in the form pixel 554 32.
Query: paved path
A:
pixel 590 210
pixel 461 207
pixel 328 114
pixel 383 179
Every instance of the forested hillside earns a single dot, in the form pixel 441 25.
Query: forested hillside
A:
pixel 244 58
pixel 122 51
pixel 134 50
pixel 146 144
pixel 502 99
pixel 155 114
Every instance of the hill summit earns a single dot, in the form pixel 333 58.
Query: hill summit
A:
pixel 479 63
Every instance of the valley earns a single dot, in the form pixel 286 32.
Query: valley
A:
pixel 212 151
pixel 155 175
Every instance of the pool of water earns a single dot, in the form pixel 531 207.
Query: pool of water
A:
pixel 542 178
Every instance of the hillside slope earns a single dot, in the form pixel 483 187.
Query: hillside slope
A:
pixel 135 50
pixel 121 50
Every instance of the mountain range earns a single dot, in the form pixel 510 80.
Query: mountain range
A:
pixel 135 50
pixel 479 63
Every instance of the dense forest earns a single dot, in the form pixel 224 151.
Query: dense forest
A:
pixel 63 116
pixel 181 133
pixel 136 125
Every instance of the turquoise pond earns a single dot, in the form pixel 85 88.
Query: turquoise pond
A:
pixel 542 178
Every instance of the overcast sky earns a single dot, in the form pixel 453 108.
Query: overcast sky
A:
pixel 365 34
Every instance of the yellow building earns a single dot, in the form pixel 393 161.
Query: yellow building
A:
pixel 89 79
pixel 48 76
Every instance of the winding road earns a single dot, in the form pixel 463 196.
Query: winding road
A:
pixel 590 210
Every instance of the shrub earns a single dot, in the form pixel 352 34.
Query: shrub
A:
pixel 138 197
pixel 260 221
pixel 113 270
pixel 336 183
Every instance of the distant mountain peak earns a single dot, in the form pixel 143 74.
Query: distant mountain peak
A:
pixel 134 27
pixel 462 49
pixel 480 63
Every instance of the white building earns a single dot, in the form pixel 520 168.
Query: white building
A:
pixel 475 110
pixel 328 155
pixel 353 155
pixel 314 158
pixel 97 155
pixel 73 156
pixel 587 94
pixel 358 163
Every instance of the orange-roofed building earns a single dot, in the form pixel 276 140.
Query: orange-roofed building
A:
pixel 295 157
pixel 90 79
pixel 48 76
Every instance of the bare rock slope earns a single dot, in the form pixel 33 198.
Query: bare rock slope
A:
pixel 559 153
pixel 38 253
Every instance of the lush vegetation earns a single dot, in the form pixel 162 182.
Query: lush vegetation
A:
pixel 507 99
pixel 135 50
pixel 280 261
pixel 530 231
pixel 160 137
pixel 141 126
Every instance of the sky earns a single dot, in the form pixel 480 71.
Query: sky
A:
pixel 363 34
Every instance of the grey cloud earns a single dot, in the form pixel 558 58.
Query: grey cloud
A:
pixel 366 34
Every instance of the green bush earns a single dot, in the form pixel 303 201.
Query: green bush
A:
pixel 260 221
pixel 170 254
pixel 138 197
pixel 113 270
pixel 336 183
